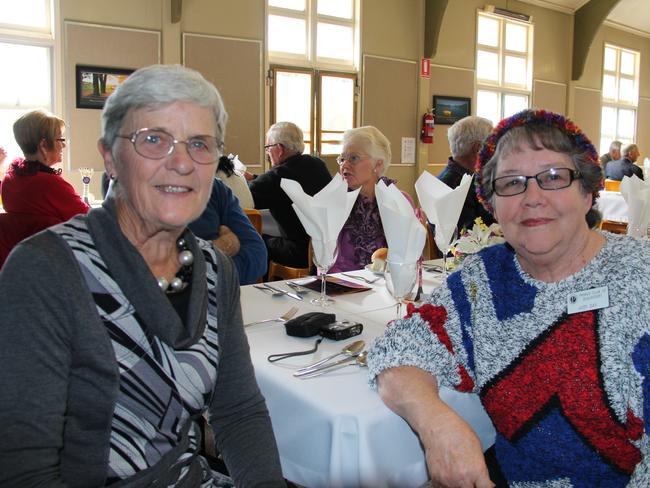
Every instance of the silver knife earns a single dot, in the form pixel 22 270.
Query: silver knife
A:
pixel 285 292
pixel 349 359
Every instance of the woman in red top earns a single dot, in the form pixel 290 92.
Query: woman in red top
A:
pixel 34 194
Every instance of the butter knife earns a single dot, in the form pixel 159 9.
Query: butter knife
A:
pixel 284 292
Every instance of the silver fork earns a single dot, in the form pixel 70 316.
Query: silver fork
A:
pixel 282 318
pixel 362 278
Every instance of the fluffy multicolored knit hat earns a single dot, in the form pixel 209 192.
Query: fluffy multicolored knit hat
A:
pixel 529 117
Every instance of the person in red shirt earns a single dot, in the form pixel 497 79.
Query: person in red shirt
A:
pixel 34 195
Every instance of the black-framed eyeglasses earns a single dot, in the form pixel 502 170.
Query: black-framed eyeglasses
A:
pixel 353 159
pixel 158 144
pixel 269 146
pixel 550 179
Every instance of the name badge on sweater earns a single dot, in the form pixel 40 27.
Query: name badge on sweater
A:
pixel 593 299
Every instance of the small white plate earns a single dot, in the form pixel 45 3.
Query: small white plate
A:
pixel 378 273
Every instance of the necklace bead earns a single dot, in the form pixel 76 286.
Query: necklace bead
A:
pixel 181 280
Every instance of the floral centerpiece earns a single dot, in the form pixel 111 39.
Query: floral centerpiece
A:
pixel 473 240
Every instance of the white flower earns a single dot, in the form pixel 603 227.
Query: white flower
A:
pixel 476 238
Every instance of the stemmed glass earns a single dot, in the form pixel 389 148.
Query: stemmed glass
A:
pixel 444 238
pixel 400 281
pixel 86 175
pixel 324 256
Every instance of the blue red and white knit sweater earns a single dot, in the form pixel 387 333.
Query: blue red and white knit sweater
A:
pixel 569 395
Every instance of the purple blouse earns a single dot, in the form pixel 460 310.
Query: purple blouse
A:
pixel 362 234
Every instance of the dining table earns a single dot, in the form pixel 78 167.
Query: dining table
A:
pixel 333 430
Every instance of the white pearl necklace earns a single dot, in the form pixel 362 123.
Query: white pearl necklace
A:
pixel 181 280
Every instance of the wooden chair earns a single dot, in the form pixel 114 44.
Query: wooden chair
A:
pixel 255 217
pixel 612 185
pixel 279 271
pixel 612 226
pixel 431 250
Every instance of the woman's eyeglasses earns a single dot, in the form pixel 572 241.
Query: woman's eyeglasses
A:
pixel 353 159
pixel 157 144
pixel 551 179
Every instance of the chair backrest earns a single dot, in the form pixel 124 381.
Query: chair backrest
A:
pixel 15 227
pixel 612 226
pixel 255 217
pixel 431 250
pixel 279 271
pixel 612 185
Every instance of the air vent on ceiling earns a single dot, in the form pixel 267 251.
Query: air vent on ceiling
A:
pixel 508 13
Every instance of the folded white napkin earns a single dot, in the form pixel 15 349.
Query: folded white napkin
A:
pixel 636 193
pixel 404 232
pixel 442 205
pixel 322 215
pixel 239 166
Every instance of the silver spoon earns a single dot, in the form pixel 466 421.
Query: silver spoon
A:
pixel 297 288
pixel 361 360
pixel 352 349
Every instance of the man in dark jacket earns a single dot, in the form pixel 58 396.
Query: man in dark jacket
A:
pixel 625 166
pixel 465 139
pixel 284 147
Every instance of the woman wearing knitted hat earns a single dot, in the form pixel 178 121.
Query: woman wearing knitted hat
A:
pixel 550 329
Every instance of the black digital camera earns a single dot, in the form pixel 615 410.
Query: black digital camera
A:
pixel 341 329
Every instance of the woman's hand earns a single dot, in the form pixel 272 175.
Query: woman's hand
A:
pixel 227 242
pixel 453 451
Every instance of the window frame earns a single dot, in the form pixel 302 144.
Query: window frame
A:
pixel 312 18
pixel 316 131
pixel 501 87
pixel 615 103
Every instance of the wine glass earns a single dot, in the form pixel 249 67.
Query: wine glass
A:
pixel 444 238
pixel 400 281
pixel 324 256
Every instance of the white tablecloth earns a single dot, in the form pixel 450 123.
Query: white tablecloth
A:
pixel 612 206
pixel 333 430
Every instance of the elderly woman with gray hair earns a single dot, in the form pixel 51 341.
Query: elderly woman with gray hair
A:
pixel 364 159
pixel 550 329
pixel 105 380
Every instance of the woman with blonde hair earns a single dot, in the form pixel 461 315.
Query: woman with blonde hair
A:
pixel 33 192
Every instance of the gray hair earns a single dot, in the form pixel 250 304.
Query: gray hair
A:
pixel 628 148
pixel 288 134
pixel 373 142
pixel 539 137
pixel 615 145
pixel 466 132
pixel 156 86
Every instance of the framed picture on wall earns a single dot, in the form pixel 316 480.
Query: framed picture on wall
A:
pixel 95 84
pixel 448 110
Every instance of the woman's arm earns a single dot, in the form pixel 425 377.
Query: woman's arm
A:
pixel 238 413
pixel 35 357
pixel 453 451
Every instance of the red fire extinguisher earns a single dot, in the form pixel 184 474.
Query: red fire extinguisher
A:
pixel 426 134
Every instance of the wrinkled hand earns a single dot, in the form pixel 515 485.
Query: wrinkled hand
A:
pixel 227 242
pixel 454 454
pixel 249 176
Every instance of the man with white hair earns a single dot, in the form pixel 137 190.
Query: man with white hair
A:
pixel 613 154
pixel 625 166
pixel 465 139
pixel 284 146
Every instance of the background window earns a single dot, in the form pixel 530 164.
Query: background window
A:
pixel 503 66
pixel 620 96
pixel 26 44
pixel 312 44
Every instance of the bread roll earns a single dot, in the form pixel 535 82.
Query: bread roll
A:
pixel 378 259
